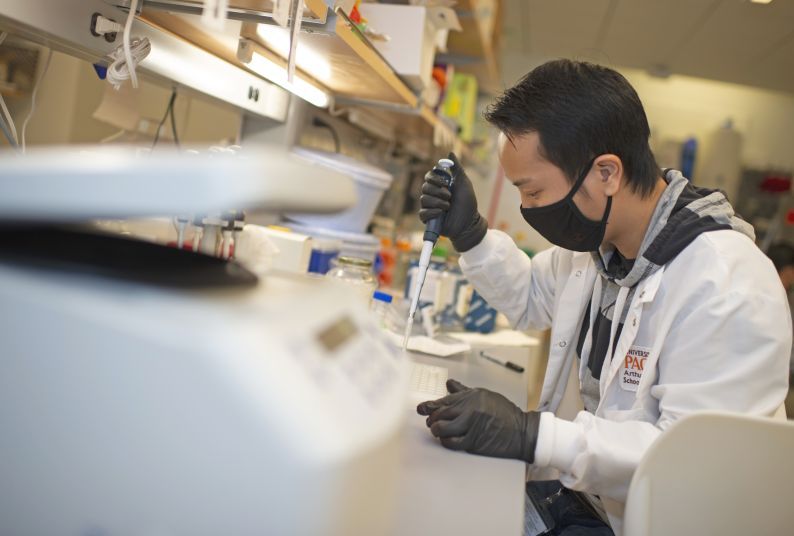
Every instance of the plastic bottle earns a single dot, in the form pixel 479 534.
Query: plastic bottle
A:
pixel 382 309
pixel 688 156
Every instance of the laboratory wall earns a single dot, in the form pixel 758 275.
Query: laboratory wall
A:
pixel 683 106
pixel 74 106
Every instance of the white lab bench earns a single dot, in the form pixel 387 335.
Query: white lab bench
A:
pixel 448 492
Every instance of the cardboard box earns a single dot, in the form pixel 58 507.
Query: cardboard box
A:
pixel 415 33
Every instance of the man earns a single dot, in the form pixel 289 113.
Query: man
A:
pixel 655 291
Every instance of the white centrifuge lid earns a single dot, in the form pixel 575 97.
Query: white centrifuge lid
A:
pixel 76 183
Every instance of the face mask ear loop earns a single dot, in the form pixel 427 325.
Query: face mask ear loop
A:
pixel 604 221
pixel 605 218
pixel 580 180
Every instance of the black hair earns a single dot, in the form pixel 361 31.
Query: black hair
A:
pixel 580 111
pixel 782 255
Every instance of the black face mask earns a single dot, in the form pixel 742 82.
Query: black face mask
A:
pixel 563 225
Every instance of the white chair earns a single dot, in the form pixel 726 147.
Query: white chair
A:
pixel 715 474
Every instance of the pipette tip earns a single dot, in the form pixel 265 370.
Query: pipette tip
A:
pixel 408 332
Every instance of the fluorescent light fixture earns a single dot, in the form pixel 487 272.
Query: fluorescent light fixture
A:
pixel 277 39
pixel 761 1
pixel 278 75
pixel 192 67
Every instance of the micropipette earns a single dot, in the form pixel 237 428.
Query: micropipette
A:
pixel 432 232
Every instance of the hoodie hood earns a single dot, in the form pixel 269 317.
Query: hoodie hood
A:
pixel 683 213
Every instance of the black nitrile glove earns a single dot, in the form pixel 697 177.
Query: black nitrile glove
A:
pixel 462 224
pixel 480 421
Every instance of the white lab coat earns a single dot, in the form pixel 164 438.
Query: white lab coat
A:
pixel 713 326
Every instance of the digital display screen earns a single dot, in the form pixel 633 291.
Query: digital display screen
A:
pixel 337 334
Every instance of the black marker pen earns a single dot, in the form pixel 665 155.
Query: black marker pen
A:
pixel 508 364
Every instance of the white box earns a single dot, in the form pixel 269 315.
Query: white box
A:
pixel 294 250
pixel 415 33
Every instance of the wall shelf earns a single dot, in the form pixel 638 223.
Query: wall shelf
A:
pixel 12 93
pixel 475 49
pixel 335 57
pixel 338 59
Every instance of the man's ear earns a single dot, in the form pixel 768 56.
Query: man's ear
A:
pixel 610 170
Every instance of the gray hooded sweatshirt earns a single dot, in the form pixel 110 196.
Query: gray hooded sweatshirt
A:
pixel 682 214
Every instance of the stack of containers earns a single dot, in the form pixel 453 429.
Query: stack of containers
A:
pixel 360 245
pixel 348 226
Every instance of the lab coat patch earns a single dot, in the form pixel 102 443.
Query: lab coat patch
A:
pixel 632 368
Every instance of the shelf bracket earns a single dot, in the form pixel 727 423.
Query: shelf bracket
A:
pixel 308 26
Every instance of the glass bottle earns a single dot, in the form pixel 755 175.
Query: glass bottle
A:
pixel 356 273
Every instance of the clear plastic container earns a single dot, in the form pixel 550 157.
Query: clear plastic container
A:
pixel 381 307
pixel 370 183
pixel 356 273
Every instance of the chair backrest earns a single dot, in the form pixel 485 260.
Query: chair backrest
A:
pixel 715 473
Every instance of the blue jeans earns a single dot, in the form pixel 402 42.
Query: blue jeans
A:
pixel 569 515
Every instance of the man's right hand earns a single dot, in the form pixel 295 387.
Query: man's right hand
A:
pixel 462 224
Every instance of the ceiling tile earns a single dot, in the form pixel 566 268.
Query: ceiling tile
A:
pixel 729 40
pixel 566 28
pixel 735 35
pixel 643 32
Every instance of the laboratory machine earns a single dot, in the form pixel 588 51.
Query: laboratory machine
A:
pixel 146 389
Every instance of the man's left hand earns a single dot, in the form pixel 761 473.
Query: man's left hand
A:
pixel 480 421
